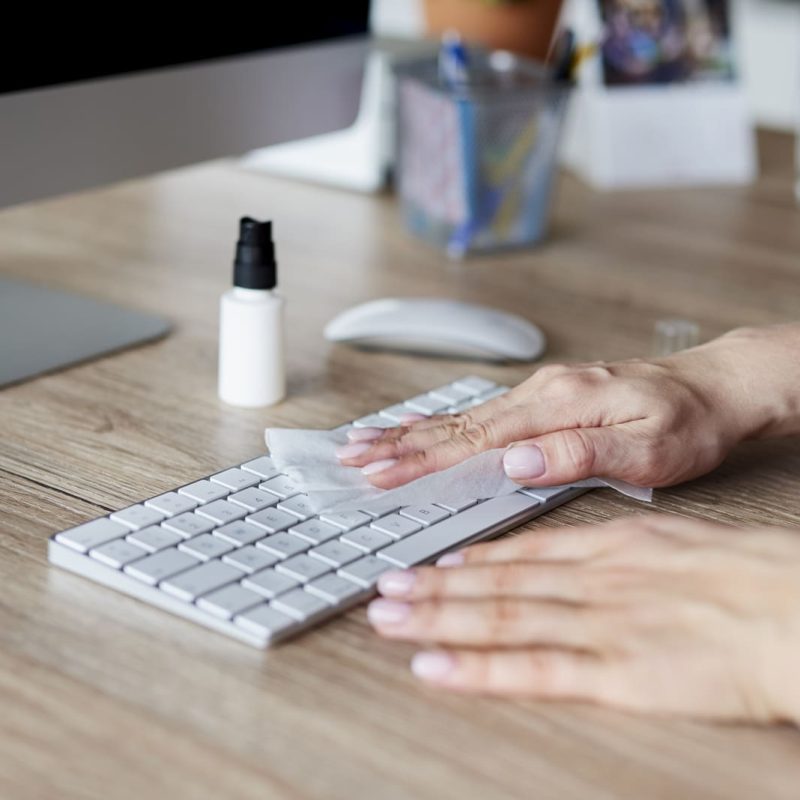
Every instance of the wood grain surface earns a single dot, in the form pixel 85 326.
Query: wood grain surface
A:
pixel 104 697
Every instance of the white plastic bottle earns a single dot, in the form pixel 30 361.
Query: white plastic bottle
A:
pixel 252 367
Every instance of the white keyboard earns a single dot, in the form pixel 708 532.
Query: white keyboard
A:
pixel 241 551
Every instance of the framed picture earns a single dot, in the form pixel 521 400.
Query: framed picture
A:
pixel 665 41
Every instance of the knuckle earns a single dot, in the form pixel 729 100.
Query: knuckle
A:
pixel 550 371
pixel 506 576
pixel 546 671
pixel 505 617
pixel 579 451
pixel 476 435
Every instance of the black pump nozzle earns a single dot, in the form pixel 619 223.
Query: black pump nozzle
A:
pixel 254 266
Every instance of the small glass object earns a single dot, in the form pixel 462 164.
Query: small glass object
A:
pixel 673 335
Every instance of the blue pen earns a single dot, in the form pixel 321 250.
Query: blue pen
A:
pixel 454 73
pixel 453 61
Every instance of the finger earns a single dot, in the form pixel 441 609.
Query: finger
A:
pixel 406 439
pixel 575 454
pixel 553 544
pixel 468 439
pixel 478 623
pixel 541 581
pixel 537 673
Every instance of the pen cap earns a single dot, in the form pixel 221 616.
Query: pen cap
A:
pixel 254 266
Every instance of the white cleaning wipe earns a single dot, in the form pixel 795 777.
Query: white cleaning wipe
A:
pixel 308 457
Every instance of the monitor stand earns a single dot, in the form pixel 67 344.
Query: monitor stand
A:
pixel 42 330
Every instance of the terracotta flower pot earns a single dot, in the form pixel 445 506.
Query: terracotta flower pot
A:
pixel 525 27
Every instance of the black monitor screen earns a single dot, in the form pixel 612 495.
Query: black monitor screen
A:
pixel 53 51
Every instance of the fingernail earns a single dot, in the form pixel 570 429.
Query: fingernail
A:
pixel 387 612
pixel 378 466
pixel 407 419
pixel 396 582
pixel 352 450
pixel 364 434
pixel 450 560
pixel 524 461
pixel 432 665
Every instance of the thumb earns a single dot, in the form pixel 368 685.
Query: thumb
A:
pixel 571 455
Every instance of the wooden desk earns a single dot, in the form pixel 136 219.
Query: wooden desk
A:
pixel 104 697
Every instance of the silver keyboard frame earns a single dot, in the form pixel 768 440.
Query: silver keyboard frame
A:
pixel 83 564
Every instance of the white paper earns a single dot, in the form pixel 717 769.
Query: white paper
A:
pixel 308 458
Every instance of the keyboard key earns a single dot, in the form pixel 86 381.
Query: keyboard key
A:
pixel 269 583
pixel 253 499
pixel 303 568
pixel 336 553
pixel 138 516
pixel 427 514
pixel 545 493
pixel 491 394
pixel 474 385
pixel 154 538
pixel 171 503
pixel 264 621
pixel 456 531
pixel 236 479
pixel 284 544
pixel 117 553
pixel 298 505
pixel 262 466
pixel 251 559
pixel 395 412
pixel 206 546
pixel 272 520
pixel 454 508
pixel 205 491
pixel 300 604
pixel 426 404
pixel 384 512
pixel 451 394
pixel 189 524
pixel 366 539
pixel 240 533
pixel 229 601
pixel 92 534
pixel 374 421
pixel 464 405
pixel 190 585
pixel 333 588
pixel 316 531
pixel 346 520
pixel 161 565
pixel 396 526
pixel 222 511
pixel 365 571
pixel 281 486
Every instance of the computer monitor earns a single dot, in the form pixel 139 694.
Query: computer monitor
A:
pixel 81 107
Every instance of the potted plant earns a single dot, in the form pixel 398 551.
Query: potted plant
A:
pixel 525 27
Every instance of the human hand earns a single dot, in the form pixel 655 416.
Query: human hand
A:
pixel 651 423
pixel 654 614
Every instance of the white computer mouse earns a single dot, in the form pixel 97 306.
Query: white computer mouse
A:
pixel 438 327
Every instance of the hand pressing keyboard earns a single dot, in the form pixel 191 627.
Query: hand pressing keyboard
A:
pixel 242 552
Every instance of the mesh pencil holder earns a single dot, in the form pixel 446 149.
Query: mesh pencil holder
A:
pixel 476 163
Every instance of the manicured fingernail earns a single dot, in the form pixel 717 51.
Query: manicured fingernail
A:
pixel 378 466
pixel 387 612
pixel 524 461
pixel 407 419
pixel 396 583
pixel 364 434
pixel 450 560
pixel 432 665
pixel 352 450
